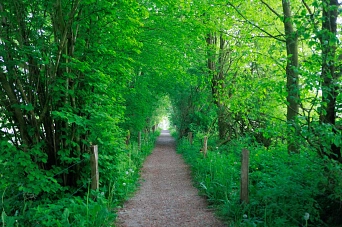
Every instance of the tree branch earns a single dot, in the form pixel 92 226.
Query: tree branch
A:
pixel 270 8
pixel 307 7
pixel 256 26
pixel 311 15
pixel 18 114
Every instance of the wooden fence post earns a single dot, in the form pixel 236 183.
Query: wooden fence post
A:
pixel 94 157
pixel 147 135
pixel 244 197
pixel 139 140
pixel 128 137
pixel 205 146
pixel 190 138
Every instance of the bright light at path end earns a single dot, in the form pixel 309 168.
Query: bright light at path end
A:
pixel 164 124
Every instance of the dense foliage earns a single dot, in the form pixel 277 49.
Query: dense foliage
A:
pixel 76 73
pixel 283 189
pixel 69 79
pixel 270 84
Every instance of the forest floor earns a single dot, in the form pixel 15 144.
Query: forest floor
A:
pixel 166 196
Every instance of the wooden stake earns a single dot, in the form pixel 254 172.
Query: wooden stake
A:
pixel 128 137
pixel 94 167
pixel 244 176
pixel 139 140
pixel 205 146
pixel 190 138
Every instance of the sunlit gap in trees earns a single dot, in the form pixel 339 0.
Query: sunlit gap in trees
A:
pixel 165 123
pixel 163 112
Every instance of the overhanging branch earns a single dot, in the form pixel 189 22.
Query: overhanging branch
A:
pixel 270 8
pixel 255 25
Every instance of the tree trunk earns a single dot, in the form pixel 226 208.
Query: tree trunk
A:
pixel 222 115
pixel 217 80
pixel 291 74
pixel 211 45
pixel 329 75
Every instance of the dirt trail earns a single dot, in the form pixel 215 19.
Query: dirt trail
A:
pixel 166 196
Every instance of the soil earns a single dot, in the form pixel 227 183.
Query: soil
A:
pixel 166 196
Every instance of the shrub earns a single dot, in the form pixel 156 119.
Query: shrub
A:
pixel 24 205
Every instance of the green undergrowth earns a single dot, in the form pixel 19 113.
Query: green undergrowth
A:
pixel 285 190
pixel 80 206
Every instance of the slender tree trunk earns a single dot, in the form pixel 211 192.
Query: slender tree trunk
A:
pixel 217 80
pixel 292 86
pixel 211 45
pixel 222 115
pixel 18 115
pixel 329 75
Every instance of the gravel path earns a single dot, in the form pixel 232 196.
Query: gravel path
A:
pixel 166 196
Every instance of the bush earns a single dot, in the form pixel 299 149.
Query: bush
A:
pixel 61 206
